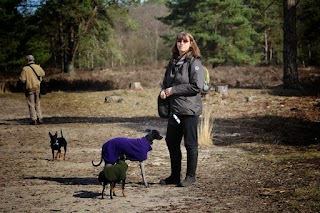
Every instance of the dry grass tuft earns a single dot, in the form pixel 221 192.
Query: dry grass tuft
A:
pixel 206 127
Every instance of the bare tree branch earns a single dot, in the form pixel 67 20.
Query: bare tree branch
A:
pixel 268 7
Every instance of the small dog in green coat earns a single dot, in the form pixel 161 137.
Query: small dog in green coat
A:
pixel 114 174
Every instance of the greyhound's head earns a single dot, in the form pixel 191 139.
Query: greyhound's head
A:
pixel 153 135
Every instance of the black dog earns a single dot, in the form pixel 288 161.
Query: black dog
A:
pixel 135 149
pixel 56 144
pixel 114 174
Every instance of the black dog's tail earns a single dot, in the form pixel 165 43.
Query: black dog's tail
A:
pixel 61 133
pixel 99 162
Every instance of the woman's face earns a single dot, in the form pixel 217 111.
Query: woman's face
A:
pixel 183 45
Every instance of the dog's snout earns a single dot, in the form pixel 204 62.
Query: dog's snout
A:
pixel 156 134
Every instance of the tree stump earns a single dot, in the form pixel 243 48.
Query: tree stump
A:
pixel 113 98
pixel 222 89
pixel 136 85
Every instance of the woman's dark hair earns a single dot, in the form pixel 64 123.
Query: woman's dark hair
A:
pixel 194 50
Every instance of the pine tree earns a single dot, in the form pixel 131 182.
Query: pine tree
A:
pixel 222 29
pixel 308 28
pixel 12 33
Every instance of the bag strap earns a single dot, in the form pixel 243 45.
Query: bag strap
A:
pixel 34 72
pixel 189 67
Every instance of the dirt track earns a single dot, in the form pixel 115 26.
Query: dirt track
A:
pixel 249 169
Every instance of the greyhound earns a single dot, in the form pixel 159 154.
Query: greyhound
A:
pixel 135 149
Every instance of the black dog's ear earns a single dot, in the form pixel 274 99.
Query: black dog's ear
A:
pixel 148 130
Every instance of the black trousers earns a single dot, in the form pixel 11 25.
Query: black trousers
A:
pixel 187 129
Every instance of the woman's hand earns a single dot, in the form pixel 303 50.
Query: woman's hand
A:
pixel 168 91
pixel 163 94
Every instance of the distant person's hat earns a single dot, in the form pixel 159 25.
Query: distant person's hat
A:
pixel 30 58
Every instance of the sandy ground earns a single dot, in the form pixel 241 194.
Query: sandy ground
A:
pixel 230 178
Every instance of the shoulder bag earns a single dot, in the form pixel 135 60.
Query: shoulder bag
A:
pixel 163 107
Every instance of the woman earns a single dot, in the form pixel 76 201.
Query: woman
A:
pixel 182 84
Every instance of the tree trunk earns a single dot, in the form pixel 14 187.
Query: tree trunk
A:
pixel 71 50
pixel 290 72
pixel 75 44
pixel 266 48
pixel 61 47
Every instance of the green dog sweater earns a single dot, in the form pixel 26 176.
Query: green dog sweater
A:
pixel 116 172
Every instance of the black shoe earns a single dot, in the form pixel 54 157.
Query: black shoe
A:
pixel 33 122
pixel 188 181
pixel 170 180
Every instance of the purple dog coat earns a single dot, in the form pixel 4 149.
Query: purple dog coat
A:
pixel 135 149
